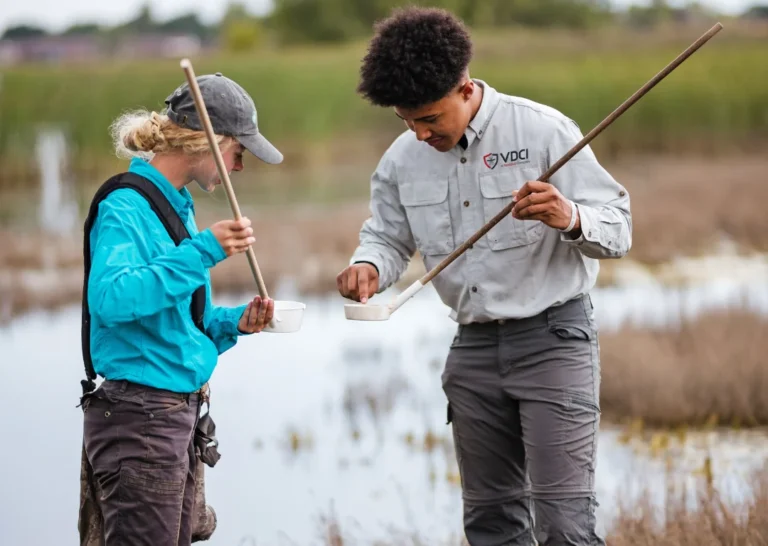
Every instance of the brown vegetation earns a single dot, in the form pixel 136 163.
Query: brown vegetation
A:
pixel 713 522
pixel 709 371
pixel 680 207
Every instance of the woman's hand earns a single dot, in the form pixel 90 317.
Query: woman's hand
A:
pixel 234 236
pixel 256 316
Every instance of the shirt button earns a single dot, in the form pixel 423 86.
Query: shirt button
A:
pixel 463 159
pixel 466 203
pixel 474 289
pixel 622 193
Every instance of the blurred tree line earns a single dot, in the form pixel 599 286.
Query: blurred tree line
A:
pixel 297 21
pixel 339 20
pixel 143 23
pixel 237 29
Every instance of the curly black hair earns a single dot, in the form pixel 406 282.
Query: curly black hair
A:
pixel 416 57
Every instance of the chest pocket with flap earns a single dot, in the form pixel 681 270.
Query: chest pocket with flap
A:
pixel 496 189
pixel 426 204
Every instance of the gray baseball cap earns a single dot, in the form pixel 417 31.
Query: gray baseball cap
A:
pixel 230 109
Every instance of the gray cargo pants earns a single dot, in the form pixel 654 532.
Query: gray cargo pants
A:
pixel 523 400
pixel 140 461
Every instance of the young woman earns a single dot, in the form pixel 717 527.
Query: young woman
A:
pixel 139 326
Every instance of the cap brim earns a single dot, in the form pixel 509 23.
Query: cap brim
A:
pixel 261 148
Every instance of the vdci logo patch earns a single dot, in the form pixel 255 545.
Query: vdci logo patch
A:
pixel 508 159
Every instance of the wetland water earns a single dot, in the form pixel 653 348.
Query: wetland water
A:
pixel 343 416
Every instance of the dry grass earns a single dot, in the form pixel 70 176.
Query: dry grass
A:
pixel 714 523
pixel 708 522
pixel 681 207
pixel 708 371
pixel 311 243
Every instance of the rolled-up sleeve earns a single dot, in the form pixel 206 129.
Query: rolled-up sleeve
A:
pixel 386 240
pixel 602 202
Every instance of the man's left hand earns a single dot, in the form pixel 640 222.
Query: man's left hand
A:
pixel 542 201
pixel 256 316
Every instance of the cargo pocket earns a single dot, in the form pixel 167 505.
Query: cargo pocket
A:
pixel 150 499
pixel 582 401
pixel 496 188
pixel 426 205
pixel 573 331
pixel 156 479
pixel 581 446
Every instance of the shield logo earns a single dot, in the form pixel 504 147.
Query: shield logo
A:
pixel 491 160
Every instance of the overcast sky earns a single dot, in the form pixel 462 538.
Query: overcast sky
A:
pixel 55 15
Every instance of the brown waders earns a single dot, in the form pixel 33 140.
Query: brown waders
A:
pixel 141 480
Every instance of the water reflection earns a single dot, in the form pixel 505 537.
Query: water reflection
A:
pixel 374 400
pixel 58 211
pixel 658 305
pixel 343 414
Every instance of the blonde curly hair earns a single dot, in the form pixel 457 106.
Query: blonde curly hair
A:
pixel 141 133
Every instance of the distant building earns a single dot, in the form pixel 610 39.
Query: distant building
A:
pixel 157 45
pixel 49 48
pixel 68 49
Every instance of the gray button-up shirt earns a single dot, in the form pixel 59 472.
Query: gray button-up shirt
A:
pixel 431 201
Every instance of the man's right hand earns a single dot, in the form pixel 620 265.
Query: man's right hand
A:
pixel 358 282
pixel 234 236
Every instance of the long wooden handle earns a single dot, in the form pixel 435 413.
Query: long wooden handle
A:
pixel 573 151
pixel 202 111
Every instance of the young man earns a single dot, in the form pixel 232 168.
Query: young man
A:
pixel 522 376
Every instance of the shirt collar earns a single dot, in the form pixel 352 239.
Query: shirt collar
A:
pixel 479 124
pixel 180 200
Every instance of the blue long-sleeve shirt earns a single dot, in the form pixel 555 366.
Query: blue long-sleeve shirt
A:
pixel 140 290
